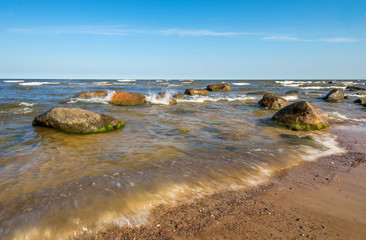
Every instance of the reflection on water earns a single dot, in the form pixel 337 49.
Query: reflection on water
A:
pixel 54 184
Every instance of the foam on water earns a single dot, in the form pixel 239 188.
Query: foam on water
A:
pixel 291 97
pixel 338 116
pixel 327 140
pixel 201 99
pixel 126 80
pixel 102 83
pixel 27 104
pixel 241 84
pixel 38 83
pixel 291 83
pixel 13 81
pixel 323 87
pixel 104 100
pixel 156 99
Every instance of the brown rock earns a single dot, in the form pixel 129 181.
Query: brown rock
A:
pixel 177 96
pixel 353 88
pixel 77 120
pixel 361 101
pixel 301 116
pixel 219 87
pixel 271 101
pixel 91 94
pixel 127 99
pixel 192 91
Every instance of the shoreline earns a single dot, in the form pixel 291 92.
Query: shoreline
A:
pixel 322 199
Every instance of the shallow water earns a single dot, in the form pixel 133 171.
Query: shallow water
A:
pixel 54 184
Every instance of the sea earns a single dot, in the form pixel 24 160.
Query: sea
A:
pixel 56 185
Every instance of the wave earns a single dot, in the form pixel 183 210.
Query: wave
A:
pixel 104 100
pixel 241 84
pixel 328 141
pixel 290 83
pixel 38 83
pixel 338 116
pixel 290 98
pixel 27 104
pixel 201 99
pixel 156 99
pixel 126 80
pixel 13 81
pixel 322 87
pixel 102 83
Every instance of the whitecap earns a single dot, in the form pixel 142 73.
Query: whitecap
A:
pixel 27 104
pixel 13 81
pixel 322 87
pixel 126 80
pixel 241 84
pixel 102 83
pixel 201 99
pixel 156 99
pixel 103 100
pixel 38 83
pixel 339 116
pixel 291 97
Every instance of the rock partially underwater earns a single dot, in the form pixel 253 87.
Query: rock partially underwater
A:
pixel 192 91
pixel 127 99
pixel 336 95
pixel 219 87
pixel 271 101
pixel 91 94
pixel 301 116
pixel 76 120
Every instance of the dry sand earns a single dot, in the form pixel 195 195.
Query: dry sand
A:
pixel 324 199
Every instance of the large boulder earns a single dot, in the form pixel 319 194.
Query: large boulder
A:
pixel 91 94
pixel 76 120
pixel 219 87
pixel 301 116
pixel 271 101
pixel 336 95
pixel 127 99
pixel 353 88
pixel 177 96
pixel 193 91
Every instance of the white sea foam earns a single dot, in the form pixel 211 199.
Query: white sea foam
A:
pixel 13 81
pixel 290 83
pixel 104 100
pixel 201 99
pixel 126 80
pixel 241 84
pixel 27 104
pixel 322 87
pixel 102 83
pixel 38 83
pixel 156 99
pixel 338 116
pixel 327 140
pixel 290 97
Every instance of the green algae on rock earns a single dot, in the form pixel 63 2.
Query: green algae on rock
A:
pixel 301 116
pixel 76 120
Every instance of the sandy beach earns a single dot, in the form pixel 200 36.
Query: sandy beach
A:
pixel 322 199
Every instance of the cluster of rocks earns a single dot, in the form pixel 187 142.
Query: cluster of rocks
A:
pixel 300 115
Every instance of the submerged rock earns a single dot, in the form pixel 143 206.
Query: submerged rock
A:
pixel 192 91
pixel 166 98
pixel 76 120
pixel 177 96
pixel 361 101
pixel 353 88
pixel 293 92
pixel 336 95
pixel 271 101
pixel 219 87
pixel 91 94
pixel 301 116
pixel 127 99
pixel 256 93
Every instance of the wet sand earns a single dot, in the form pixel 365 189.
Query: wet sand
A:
pixel 324 199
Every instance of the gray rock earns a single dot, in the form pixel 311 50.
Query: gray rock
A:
pixel 76 120
pixel 271 101
pixel 336 95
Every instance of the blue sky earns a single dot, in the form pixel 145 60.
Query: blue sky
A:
pixel 253 39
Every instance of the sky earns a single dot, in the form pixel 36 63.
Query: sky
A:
pixel 185 39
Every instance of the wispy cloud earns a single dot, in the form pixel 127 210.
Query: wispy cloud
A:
pixel 295 39
pixel 120 30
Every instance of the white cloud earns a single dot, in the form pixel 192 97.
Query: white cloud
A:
pixel 198 33
pixel 295 39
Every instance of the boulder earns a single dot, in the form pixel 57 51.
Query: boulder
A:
pixel 177 96
pixel 127 99
pixel 271 101
pixel 330 82
pixel 76 120
pixel 301 116
pixel 361 101
pixel 192 91
pixel 336 95
pixel 91 94
pixel 219 87
pixel 353 88
pixel 293 92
